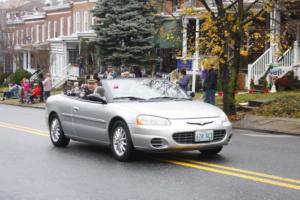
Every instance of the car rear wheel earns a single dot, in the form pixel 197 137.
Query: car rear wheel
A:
pixel 211 151
pixel 121 143
pixel 56 133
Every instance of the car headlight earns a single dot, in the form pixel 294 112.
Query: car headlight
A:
pixel 224 118
pixel 148 120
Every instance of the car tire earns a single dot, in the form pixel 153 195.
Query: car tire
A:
pixel 120 142
pixel 210 152
pixel 57 135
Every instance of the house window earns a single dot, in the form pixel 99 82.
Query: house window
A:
pixel 55 29
pixel 27 36
pixel 37 33
pixel 13 39
pixel 175 5
pixel 17 37
pixel 74 23
pixel 49 30
pixel 31 35
pixel 43 32
pixel 73 56
pixel 62 24
pixel 86 21
pixel 69 25
pixel 77 21
pixel 93 20
pixel 22 36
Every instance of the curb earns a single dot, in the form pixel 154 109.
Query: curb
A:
pixel 266 131
pixel 266 124
pixel 24 106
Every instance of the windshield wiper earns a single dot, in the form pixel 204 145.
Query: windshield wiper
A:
pixel 132 98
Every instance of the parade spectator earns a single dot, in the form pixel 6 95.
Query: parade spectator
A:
pixel 184 81
pixel 203 76
pixel 40 83
pixel 125 74
pixel 137 72
pixel 47 84
pixel 76 89
pixel 35 93
pixel 210 86
pixel 13 91
pixel 26 89
pixel 109 73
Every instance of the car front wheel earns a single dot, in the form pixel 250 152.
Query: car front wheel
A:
pixel 56 133
pixel 121 143
pixel 211 151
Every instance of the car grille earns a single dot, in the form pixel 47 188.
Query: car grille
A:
pixel 189 137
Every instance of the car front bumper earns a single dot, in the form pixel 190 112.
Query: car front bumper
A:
pixel 160 138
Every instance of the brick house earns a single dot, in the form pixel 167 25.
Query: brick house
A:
pixel 48 37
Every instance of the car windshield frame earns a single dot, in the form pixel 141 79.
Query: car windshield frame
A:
pixel 112 97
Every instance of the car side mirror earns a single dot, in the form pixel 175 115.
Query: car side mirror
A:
pixel 96 98
pixel 191 94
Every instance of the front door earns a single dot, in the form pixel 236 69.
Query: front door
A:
pixel 89 120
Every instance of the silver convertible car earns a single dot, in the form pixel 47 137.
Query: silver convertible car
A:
pixel 138 114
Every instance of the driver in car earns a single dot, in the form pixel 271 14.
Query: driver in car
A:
pixel 92 84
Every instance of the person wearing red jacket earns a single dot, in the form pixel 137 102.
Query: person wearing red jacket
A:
pixel 35 93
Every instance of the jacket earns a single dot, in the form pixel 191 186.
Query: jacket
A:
pixel 36 92
pixel 210 82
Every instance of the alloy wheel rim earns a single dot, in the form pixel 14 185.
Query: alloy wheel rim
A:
pixel 119 141
pixel 55 130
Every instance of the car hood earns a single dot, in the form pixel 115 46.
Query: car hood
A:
pixel 175 109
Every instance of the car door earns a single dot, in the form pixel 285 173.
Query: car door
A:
pixel 89 120
pixel 66 114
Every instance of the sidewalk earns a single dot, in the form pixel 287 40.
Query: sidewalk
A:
pixel 15 102
pixel 269 124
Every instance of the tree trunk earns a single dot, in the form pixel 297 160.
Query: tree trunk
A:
pixel 230 74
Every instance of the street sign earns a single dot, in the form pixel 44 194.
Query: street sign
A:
pixel 184 64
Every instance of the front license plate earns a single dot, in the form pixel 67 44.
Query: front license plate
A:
pixel 204 136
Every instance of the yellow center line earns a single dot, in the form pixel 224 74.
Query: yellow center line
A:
pixel 243 176
pixel 243 171
pixel 24 129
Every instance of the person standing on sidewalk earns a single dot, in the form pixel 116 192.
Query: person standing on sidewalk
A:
pixel 184 81
pixel 203 76
pixel 210 86
pixel 47 84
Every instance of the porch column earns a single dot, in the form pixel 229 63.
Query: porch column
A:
pixel 184 38
pixel 296 46
pixel 196 55
pixel 14 63
pixel 28 60
pixel 275 21
pixel 24 60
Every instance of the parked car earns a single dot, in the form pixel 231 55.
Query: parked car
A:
pixel 138 114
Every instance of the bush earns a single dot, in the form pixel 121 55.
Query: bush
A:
pixel 17 76
pixel 3 76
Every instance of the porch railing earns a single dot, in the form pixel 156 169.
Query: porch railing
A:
pixel 67 72
pixel 257 69
pixel 261 65
pixel 287 58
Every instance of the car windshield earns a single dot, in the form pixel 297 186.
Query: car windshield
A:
pixel 145 90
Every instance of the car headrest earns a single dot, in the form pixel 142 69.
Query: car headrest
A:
pixel 100 91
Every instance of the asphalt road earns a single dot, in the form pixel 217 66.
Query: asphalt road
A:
pixel 254 166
